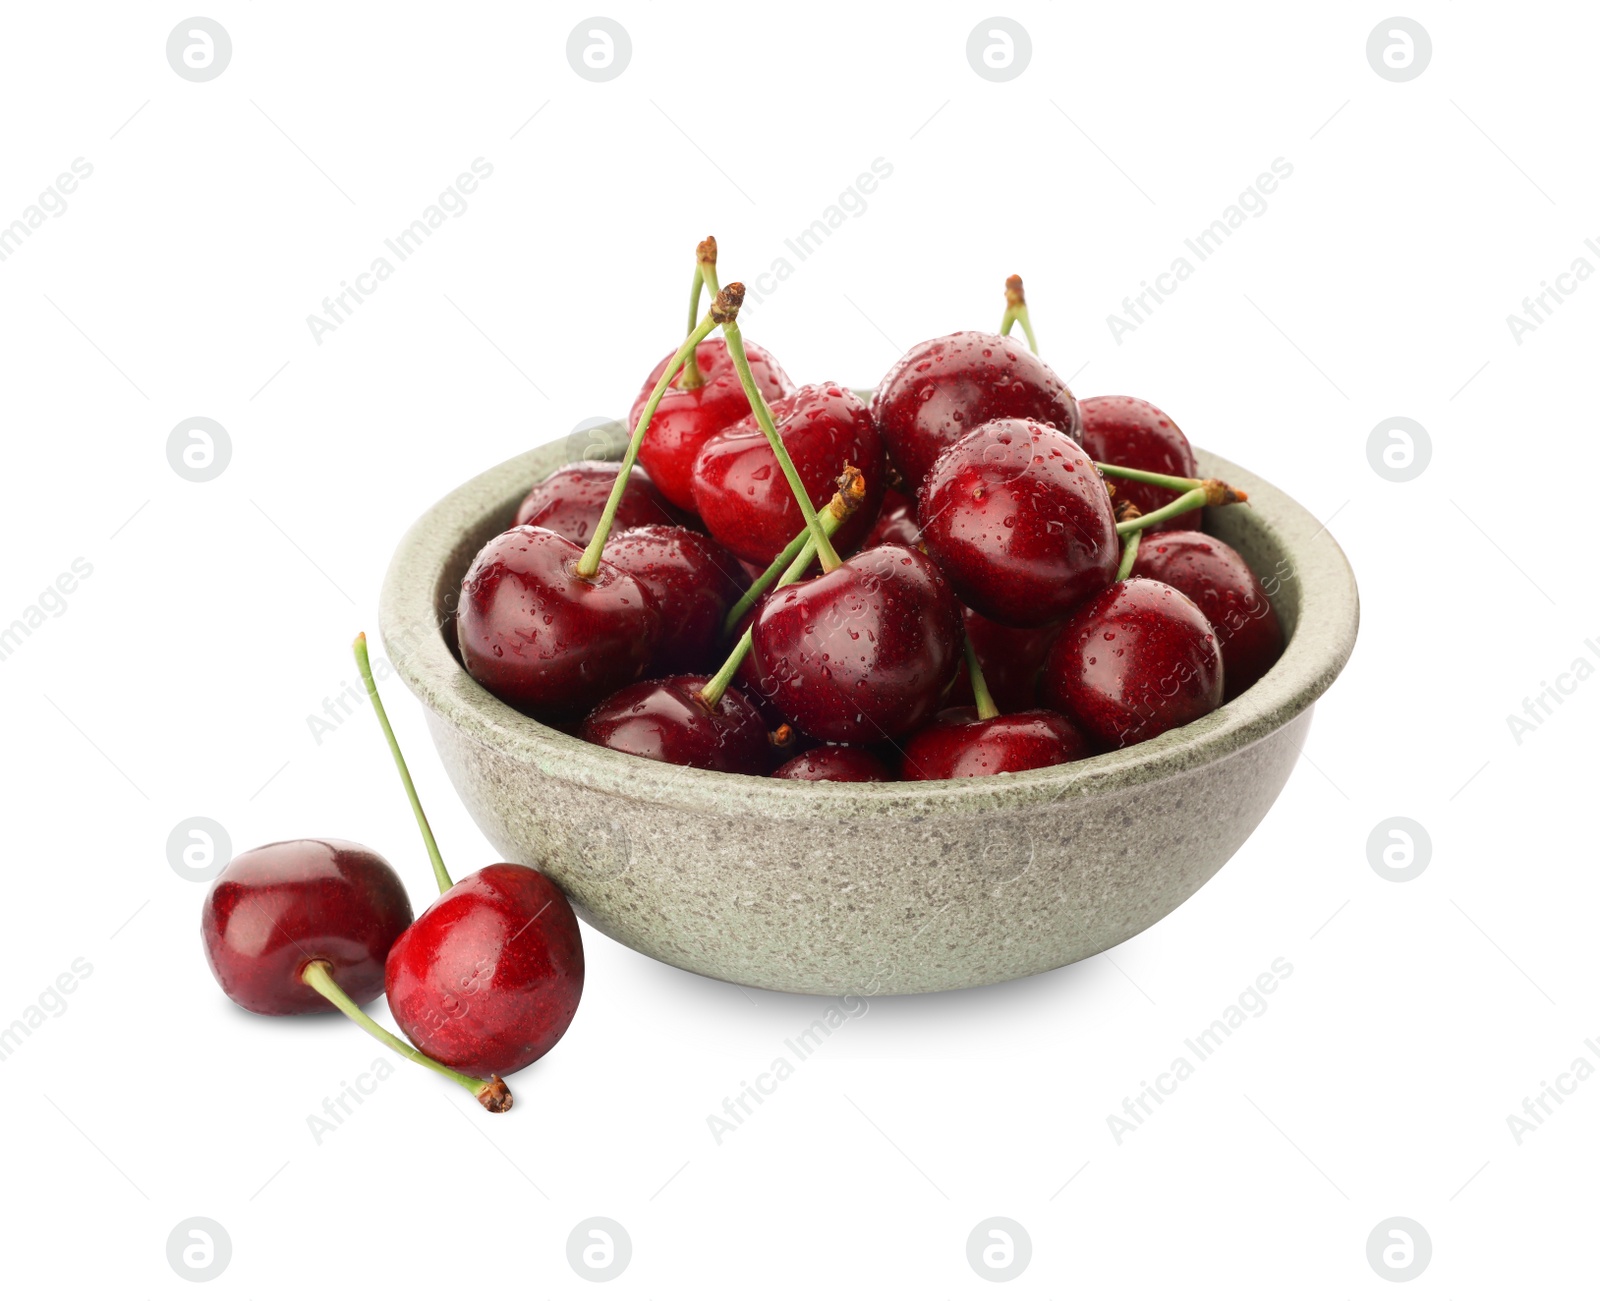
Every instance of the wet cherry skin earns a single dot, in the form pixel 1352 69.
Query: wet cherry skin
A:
pixel 1019 520
pixel 1132 432
pixel 1133 662
pixel 570 499
pixel 544 640
pixel 693 582
pixel 960 744
pixel 835 763
pixel 943 389
pixel 742 494
pixel 687 417
pixel 665 720
pixel 861 653
pixel 276 908
pixel 1216 578
pixel 489 977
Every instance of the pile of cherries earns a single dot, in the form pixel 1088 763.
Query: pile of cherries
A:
pixel 483 983
pixel 974 573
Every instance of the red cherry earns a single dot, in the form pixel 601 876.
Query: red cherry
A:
pixel 666 720
pixel 489 977
pixel 687 417
pixel 1020 522
pixel 1133 662
pixel 1216 578
pixel 896 522
pixel 1010 659
pixel 1132 432
pixel 693 582
pixel 863 652
pixel 569 500
pixel 544 640
pixel 944 388
pixel 835 763
pixel 960 744
pixel 275 909
pixel 744 497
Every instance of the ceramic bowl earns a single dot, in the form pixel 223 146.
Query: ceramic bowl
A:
pixel 835 888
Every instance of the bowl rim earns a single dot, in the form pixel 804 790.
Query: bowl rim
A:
pixel 1319 644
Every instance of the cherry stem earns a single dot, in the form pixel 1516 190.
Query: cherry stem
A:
pixel 706 259
pixel 492 1092
pixel 691 377
pixel 705 275
pixel 365 665
pixel 852 491
pixel 1017 313
pixel 852 488
pixel 589 563
pixel 1191 500
pixel 1130 550
pixel 1218 493
pixel 763 414
pixel 987 709
pixel 770 575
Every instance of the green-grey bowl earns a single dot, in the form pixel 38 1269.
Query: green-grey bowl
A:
pixel 904 887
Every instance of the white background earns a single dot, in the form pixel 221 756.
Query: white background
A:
pixel 178 680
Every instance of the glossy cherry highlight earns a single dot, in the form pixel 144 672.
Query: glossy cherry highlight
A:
pixel 943 389
pixel 1133 662
pixel 1019 520
pixel 861 653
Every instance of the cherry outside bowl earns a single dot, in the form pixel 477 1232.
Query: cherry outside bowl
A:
pixel 891 888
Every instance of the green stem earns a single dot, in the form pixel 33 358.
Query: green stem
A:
pixel 852 492
pixel 1191 500
pixel 711 694
pixel 763 414
pixel 1173 482
pixel 987 709
pixel 1130 552
pixel 492 1093
pixel 589 563
pixel 768 577
pixel 691 377
pixel 706 253
pixel 365 665
pixel 1017 313
pixel 1020 316
pixel 806 552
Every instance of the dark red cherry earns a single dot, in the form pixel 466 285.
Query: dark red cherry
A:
pixel 861 653
pixel 544 640
pixel 960 744
pixel 835 763
pixel 896 522
pixel 1019 521
pixel 1134 661
pixel 1132 432
pixel 1010 659
pixel 743 495
pixel 275 909
pixel 488 978
pixel 667 721
pixel 693 582
pixel 687 417
pixel 943 389
pixel 569 500
pixel 1216 578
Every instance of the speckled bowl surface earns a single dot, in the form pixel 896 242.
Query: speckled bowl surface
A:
pixel 834 888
